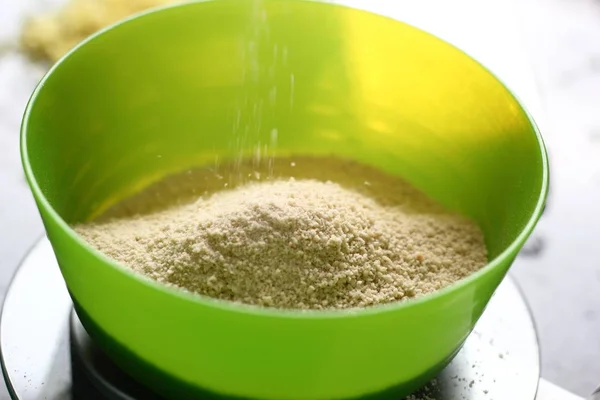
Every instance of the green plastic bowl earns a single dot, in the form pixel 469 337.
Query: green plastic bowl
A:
pixel 162 92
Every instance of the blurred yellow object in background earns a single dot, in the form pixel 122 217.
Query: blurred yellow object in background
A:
pixel 48 37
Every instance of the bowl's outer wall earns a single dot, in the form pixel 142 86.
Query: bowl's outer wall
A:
pixel 173 89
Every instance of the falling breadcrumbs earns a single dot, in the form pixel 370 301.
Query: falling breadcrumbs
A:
pixel 300 242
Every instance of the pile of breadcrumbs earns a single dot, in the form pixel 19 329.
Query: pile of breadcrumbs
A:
pixel 298 243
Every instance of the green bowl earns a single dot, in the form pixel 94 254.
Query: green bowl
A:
pixel 173 88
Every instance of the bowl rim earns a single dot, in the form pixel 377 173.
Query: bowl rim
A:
pixel 231 306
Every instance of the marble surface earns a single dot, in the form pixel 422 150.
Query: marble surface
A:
pixel 560 269
pixel 563 283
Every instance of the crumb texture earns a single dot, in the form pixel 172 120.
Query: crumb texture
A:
pixel 295 243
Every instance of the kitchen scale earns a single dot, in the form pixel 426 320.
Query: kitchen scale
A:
pixel 47 354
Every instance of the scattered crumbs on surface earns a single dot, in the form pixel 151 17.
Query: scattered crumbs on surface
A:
pixel 428 392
